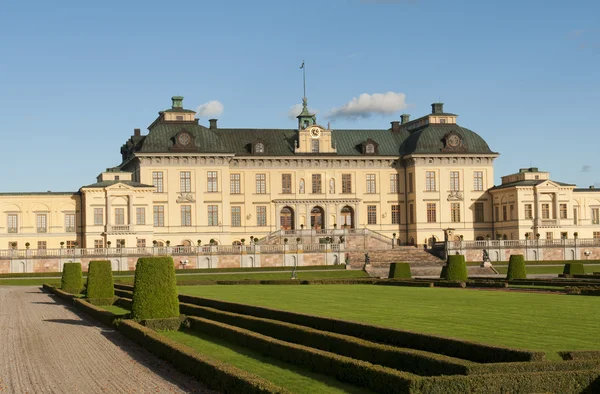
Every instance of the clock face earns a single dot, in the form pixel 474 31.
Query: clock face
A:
pixel 453 140
pixel 184 139
pixel 315 132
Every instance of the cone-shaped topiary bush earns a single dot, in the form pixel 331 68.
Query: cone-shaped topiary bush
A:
pixel 516 267
pixel 100 287
pixel 72 278
pixel 574 269
pixel 154 289
pixel 457 268
pixel 400 271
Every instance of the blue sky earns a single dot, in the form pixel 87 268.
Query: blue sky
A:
pixel 76 78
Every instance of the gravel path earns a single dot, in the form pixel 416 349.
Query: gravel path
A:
pixel 47 348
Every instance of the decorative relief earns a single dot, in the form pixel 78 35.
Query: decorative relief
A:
pixel 185 197
pixel 455 196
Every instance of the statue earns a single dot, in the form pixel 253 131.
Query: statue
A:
pixel 301 186
pixel 331 186
pixel 486 259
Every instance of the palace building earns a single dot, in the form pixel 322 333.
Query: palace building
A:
pixel 184 181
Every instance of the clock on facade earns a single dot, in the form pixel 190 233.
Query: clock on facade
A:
pixel 315 132
pixel 184 139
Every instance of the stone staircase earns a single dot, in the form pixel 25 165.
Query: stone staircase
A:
pixel 421 262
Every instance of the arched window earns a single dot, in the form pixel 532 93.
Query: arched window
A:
pixel 259 147
pixel 370 148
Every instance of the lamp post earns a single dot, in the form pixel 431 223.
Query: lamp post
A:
pixel 285 241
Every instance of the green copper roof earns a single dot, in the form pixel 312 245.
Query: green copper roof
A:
pixel 110 183
pixel 430 139
pixel 528 183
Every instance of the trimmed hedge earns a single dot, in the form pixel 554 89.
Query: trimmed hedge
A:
pixel 585 290
pixel 444 273
pixel 410 283
pixel 100 287
pixel 125 303
pixel 155 289
pixel 487 284
pixel 72 278
pixel 516 267
pixel 400 271
pixel 170 324
pixel 457 269
pixel 580 355
pixel 214 374
pixel 574 269
pixel 103 316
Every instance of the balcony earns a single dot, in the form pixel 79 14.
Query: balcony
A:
pixel 42 230
pixel 13 230
pixel 119 229
pixel 547 222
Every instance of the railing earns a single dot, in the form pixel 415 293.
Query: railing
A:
pixel 522 243
pixel 118 228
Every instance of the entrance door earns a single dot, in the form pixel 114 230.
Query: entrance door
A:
pixel 286 218
pixel 316 218
pixel 347 217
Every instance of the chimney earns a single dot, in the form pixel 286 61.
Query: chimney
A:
pixel 405 118
pixel 592 187
pixel 395 125
pixel 437 108
pixel 177 102
pixel 213 124
pixel 136 132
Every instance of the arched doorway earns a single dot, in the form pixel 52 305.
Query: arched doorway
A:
pixel 347 216
pixel 317 218
pixel 286 218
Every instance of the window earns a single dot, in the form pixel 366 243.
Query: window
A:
pixel 549 235
pixel 13 223
pixel 442 120
pixel 497 213
pixel 454 181
pixel 259 147
pixel 394 183
pixel 563 211
pixel 185 181
pixel 117 178
pixel 41 245
pixel 346 183
pixel 71 244
pixel 159 216
pixel 70 222
pixel 395 214
pixel 545 211
pixel 595 216
pixel 315 146
pixel 575 216
pixel 119 216
pixel 236 216
pixel 179 117
pixel 370 148
pixel 478 181
pixel 455 212
pixel 186 215
pixel 41 221
pixel 371 214
pixel 120 243
pixel 261 183
pixel 371 184
pixel 504 213
pixel 410 182
pixel 512 212
pixel 140 215
pixel 479 218
pixel 528 211
pixel 211 180
pixel 98 244
pixel 286 183
pixel 411 213
pixel 430 181
pixel 596 235
pixel 141 242
pixel 261 216
pixel 316 183
pixel 157 181
pixel 431 212
pixel 98 216
pixel 234 184
pixel 213 215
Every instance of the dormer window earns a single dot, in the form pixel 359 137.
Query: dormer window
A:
pixel 179 117
pixel 259 147
pixel 370 149
pixel 116 177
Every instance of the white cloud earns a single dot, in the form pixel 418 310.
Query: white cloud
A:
pixel 297 108
pixel 586 168
pixel 366 105
pixel 210 109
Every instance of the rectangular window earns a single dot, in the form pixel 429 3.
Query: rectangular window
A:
pixel 454 181
pixel 70 222
pixel 431 212
pixel 213 215
pixel 497 213
pixel 234 184
pixel 563 211
pixel 261 216
pixel 346 183
pixel 186 215
pixel 141 242
pixel 528 211
pixel 316 183
pixel 157 181
pixel 430 181
pixel 140 215
pixel 159 215
pixel 42 225
pixel 315 146
pixel 545 211
pixel 596 235
pixel 455 212
pixel 371 214
pixel 185 181
pixel 512 212
pixel 120 243
pixel 394 183
pixel 236 216
pixel 504 213
pixel 98 216
pixel 478 181
pixel 479 218
pixel 595 216
pixel 395 214
pixel 411 213
pixel 548 235
pixel 410 183
pixel 261 183
pixel 119 216
pixel 13 223
pixel 98 244
pixel 371 184
pixel 575 216
pixel 212 182
pixel 286 183
pixel 42 245
pixel 71 244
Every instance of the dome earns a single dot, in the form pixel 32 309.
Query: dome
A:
pixel 437 138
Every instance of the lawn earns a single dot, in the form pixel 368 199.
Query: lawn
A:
pixel 289 376
pixel 549 270
pixel 543 322
pixel 115 309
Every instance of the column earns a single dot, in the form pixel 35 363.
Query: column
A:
pixel 108 209
pixel 131 212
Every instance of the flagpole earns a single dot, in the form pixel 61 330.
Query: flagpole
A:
pixel 304 77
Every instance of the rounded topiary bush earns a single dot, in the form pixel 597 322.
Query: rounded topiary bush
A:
pixel 155 289
pixel 100 286
pixel 457 268
pixel 400 271
pixel 516 267
pixel 72 278
pixel 574 269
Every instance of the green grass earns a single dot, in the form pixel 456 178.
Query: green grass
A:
pixel 543 322
pixel 289 376
pixel 548 270
pixel 117 310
